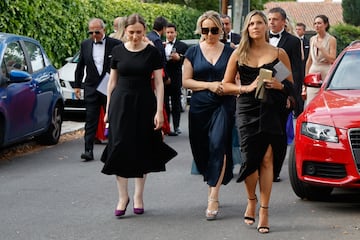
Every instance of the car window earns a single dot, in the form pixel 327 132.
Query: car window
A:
pixel 14 58
pixel 36 57
pixel 346 75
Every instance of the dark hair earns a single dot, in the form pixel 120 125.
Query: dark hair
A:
pixel 225 16
pixel 325 20
pixel 300 24
pixel 159 23
pixel 171 25
pixel 279 10
pixel 134 18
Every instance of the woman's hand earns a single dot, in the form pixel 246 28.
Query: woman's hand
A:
pixel 216 87
pixel 158 120
pixel 273 84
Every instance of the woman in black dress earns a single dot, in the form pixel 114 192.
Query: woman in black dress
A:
pixel 135 115
pixel 211 115
pixel 258 122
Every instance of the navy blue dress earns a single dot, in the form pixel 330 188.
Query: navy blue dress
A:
pixel 211 119
pixel 259 123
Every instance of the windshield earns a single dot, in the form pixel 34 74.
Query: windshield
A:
pixel 347 73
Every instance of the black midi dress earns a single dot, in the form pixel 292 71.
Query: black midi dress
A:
pixel 211 119
pixel 134 147
pixel 259 122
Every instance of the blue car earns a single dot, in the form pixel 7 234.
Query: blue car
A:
pixel 31 102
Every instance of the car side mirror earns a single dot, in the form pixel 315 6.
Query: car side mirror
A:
pixel 17 76
pixel 313 80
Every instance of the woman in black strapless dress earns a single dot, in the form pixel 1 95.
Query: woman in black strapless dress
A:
pixel 258 121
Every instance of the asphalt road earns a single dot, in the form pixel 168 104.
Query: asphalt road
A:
pixel 52 195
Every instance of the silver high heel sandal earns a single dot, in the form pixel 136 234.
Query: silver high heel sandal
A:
pixel 211 214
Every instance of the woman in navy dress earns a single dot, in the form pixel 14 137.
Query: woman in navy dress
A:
pixel 135 115
pixel 259 122
pixel 211 115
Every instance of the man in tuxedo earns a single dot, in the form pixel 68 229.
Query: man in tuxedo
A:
pixel 279 37
pixel 300 31
pixel 232 38
pixel 174 52
pixel 95 55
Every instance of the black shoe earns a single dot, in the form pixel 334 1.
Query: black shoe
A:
pixel 178 131
pixel 172 134
pixel 87 155
pixel 277 179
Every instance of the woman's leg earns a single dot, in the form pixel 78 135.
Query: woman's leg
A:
pixel 250 185
pixel 122 185
pixel 265 180
pixel 213 196
pixel 139 192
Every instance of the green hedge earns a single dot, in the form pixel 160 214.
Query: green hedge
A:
pixel 61 25
pixel 345 34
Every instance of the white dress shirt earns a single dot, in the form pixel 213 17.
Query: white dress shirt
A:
pixel 98 55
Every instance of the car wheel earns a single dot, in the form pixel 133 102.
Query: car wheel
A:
pixel 183 99
pixel 304 190
pixel 52 135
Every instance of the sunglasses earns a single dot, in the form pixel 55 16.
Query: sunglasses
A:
pixel 92 32
pixel 213 30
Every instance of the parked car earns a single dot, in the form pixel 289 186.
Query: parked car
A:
pixel 67 80
pixel 31 103
pixel 326 150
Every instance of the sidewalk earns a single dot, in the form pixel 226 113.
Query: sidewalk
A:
pixel 70 126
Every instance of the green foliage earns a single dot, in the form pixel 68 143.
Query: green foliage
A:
pixel 60 26
pixel 345 34
pixel 201 5
pixel 351 11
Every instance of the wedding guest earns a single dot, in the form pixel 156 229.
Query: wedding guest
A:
pixel 279 37
pixel 135 115
pixel 174 52
pixel 211 115
pixel 95 56
pixel 322 52
pixel 259 122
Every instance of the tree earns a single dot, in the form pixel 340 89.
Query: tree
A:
pixel 202 5
pixel 351 11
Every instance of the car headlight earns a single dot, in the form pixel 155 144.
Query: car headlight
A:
pixel 319 132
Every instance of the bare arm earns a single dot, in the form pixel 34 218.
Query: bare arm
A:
pixel 159 91
pixel 110 88
pixel 197 85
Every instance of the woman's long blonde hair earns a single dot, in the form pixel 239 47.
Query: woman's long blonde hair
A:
pixel 245 43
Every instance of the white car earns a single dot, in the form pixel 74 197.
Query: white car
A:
pixel 67 80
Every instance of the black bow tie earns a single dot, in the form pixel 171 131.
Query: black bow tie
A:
pixel 170 42
pixel 100 42
pixel 274 35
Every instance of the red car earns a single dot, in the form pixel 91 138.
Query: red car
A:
pixel 326 150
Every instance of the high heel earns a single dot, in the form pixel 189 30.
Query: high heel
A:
pixel 263 229
pixel 212 214
pixel 249 220
pixel 139 211
pixel 119 213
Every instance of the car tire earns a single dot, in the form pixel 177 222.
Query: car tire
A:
pixel 304 190
pixel 52 135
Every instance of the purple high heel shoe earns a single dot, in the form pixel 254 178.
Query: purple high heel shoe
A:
pixel 119 213
pixel 138 211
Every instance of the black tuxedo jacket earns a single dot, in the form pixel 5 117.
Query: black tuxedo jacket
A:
pixel 292 47
pixel 235 38
pixel 306 47
pixel 86 59
pixel 174 68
